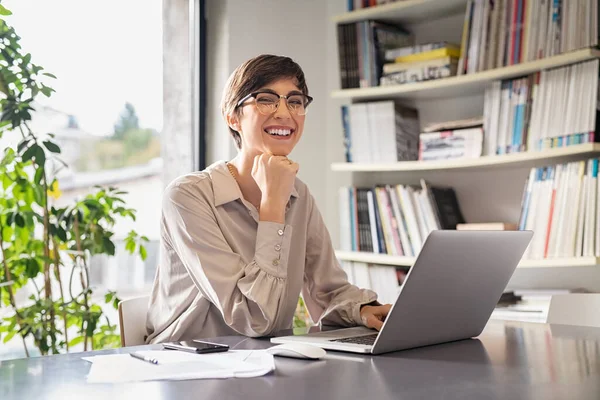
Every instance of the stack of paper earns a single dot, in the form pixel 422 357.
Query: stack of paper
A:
pixel 177 365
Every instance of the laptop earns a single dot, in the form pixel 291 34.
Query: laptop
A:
pixel 449 294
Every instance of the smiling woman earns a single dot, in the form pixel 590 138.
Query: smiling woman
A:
pixel 242 239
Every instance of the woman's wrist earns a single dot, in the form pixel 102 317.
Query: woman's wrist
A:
pixel 272 212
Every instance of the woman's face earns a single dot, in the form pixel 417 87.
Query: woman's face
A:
pixel 276 133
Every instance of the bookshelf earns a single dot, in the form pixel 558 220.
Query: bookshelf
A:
pixel 437 100
pixel 405 12
pixel 384 259
pixel 521 160
pixel 464 84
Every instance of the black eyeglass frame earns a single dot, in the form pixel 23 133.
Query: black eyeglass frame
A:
pixel 254 94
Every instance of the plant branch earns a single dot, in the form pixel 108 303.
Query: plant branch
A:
pixel 62 293
pixel 11 295
pixel 83 284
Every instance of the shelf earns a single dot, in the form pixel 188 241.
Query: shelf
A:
pixel 465 84
pixel 524 159
pixel 385 259
pixel 405 11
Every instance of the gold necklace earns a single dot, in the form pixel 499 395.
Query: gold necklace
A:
pixel 232 171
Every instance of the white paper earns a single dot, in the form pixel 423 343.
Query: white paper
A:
pixel 178 365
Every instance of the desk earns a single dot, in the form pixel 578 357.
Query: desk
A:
pixel 510 360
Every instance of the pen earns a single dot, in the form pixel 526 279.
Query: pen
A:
pixel 144 358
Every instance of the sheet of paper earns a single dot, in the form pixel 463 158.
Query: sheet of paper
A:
pixel 178 365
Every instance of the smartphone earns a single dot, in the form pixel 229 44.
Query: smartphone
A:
pixel 196 346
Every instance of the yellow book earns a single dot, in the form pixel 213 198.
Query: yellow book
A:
pixel 430 55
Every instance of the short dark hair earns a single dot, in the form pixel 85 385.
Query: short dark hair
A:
pixel 253 75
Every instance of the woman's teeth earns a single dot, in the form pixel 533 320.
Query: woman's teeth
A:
pixel 279 132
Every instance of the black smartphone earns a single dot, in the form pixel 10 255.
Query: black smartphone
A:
pixel 196 346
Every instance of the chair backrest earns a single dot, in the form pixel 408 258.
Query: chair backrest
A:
pixel 581 309
pixel 132 318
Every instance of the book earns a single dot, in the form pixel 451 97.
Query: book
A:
pixel 390 68
pixel 448 51
pixel 419 74
pixel 487 226
pixel 498 33
pixel 454 144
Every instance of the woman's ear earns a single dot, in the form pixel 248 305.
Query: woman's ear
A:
pixel 234 122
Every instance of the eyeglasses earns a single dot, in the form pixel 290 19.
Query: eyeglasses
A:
pixel 268 102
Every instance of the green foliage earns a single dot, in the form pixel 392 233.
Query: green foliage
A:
pixel 41 246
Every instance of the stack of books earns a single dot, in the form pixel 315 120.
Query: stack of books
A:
pixel 560 204
pixel 385 280
pixel 381 131
pixel 452 140
pixel 395 220
pixel 497 33
pixel 552 108
pixel 420 63
pixel 361 50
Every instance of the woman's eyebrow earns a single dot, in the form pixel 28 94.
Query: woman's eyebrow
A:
pixel 274 92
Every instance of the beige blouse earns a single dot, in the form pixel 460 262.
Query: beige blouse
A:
pixel 224 272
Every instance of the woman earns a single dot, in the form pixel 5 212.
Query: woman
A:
pixel 241 239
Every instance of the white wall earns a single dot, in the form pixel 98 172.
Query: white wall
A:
pixel 243 29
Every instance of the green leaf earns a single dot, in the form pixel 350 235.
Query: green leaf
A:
pixel 76 341
pixel 27 58
pixel 6 181
pixel 52 147
pixel 40 157
pixel 19 220
pixel 39 173
pixel 30 152
pixel 4 11
pixel 109 246
pixel 130 246
pixel 32 268
pixel 9 157
pixel 143 253
pixel 62 234
pixel 47 91
pixel 23 144
pixel 49 74
pixel 11 334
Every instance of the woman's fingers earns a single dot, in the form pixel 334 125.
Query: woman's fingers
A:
pixel 374 322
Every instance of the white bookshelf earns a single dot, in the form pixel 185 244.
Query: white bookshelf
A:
pixel 403 11
pixel 527 159
pixel 439 101
pixel 464 84
pixel 384 259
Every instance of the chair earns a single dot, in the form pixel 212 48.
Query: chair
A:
pixel 581 309
pixel 132 319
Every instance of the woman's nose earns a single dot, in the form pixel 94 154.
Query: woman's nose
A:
pixel 282 110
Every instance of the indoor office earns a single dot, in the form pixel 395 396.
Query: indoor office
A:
pixel 323 198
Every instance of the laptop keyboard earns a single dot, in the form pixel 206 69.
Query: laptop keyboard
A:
pixel 366 340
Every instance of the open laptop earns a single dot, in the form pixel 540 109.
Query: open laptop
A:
pixel 448 294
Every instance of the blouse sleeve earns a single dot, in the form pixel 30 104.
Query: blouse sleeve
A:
pixel 328 295
pixel 248 295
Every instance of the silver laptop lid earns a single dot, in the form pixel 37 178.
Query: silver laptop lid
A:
pixel 453 287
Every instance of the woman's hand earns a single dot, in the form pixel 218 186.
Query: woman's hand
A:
pixel 373 316
pixel 275 176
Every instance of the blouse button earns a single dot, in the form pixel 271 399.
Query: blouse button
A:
pixel 277 247
pixel 280 232
pixel 275 262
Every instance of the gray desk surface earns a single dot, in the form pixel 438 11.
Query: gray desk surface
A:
pixel 510 360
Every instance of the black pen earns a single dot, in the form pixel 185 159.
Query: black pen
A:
pixel 144 358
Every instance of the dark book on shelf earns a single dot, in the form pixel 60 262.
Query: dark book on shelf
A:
pixel 361 50
pixel 446 202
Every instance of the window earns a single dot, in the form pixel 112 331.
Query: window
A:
pixel 106 114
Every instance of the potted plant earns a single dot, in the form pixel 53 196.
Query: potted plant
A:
pixel 42 247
